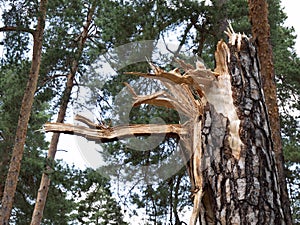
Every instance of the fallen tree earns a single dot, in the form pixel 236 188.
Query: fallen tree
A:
pixel 227 136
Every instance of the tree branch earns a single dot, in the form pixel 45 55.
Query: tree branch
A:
pixel 18 29
pixel 114 133
pixel 160 98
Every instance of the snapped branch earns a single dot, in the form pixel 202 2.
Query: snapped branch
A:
pixel 109 134
pixel 160 98
pixel 198 78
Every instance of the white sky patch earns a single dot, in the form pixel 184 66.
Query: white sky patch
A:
pixel 292 11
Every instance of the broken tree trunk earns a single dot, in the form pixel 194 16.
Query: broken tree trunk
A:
pixel 231 162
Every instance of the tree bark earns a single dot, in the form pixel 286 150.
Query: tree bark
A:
pixel 45 181
pixel 258 14
pixel 25 111
pixel 243 189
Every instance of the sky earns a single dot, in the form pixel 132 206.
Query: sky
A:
pixel 292 10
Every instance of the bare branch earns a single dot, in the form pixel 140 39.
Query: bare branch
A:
pixel 156 101
pixel 114 133
pixel 197 78
pixel 86 121
pixel 180 101
pixel 130 89
pixel 18 29
pixel 153 99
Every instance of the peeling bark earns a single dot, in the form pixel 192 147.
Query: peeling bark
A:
pixel 231 162
pixel 109 134
pixel 241 190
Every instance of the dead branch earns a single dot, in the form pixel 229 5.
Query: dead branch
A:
pixel 114 133
pixel 199 79
pixel 152 99
pixel 86 121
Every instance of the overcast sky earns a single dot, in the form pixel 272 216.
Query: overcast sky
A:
pixel 292 10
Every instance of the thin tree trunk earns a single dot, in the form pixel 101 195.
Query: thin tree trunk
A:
pixel 258 14
pixel 25 111
pixel 4 161
pixel 45 181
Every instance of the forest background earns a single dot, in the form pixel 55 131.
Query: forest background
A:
pixel 82 195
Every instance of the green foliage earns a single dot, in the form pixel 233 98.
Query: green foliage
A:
pixel 294 191
pixel 19 14
pixel 94 201
pixel 13 79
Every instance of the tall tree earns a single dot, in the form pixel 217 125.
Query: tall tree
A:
pixel 94 201
pixel 12 85
pixel 205 20
pixel 17 154
pixel 258 13
pixel 200 28
pixel 45 181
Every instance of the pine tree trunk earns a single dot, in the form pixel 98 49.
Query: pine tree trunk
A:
pixel 25 111
pixel 258 14
pixel 240 182
pixel 45 181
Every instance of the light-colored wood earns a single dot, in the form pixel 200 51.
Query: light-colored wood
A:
pixel 109 133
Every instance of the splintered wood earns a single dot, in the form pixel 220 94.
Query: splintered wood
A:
pixel 109 134
pixel 189 94
pixel 226 136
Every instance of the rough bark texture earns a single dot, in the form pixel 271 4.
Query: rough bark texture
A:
pixel 25 111
pixel 258 14
pixel 244 189
pixel 45 181
pixel 229 149
pixel 4 162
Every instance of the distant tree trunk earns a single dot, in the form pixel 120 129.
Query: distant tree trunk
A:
pixel 37 215
pixel 25 111
pixel 45 181
pixel 258 14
